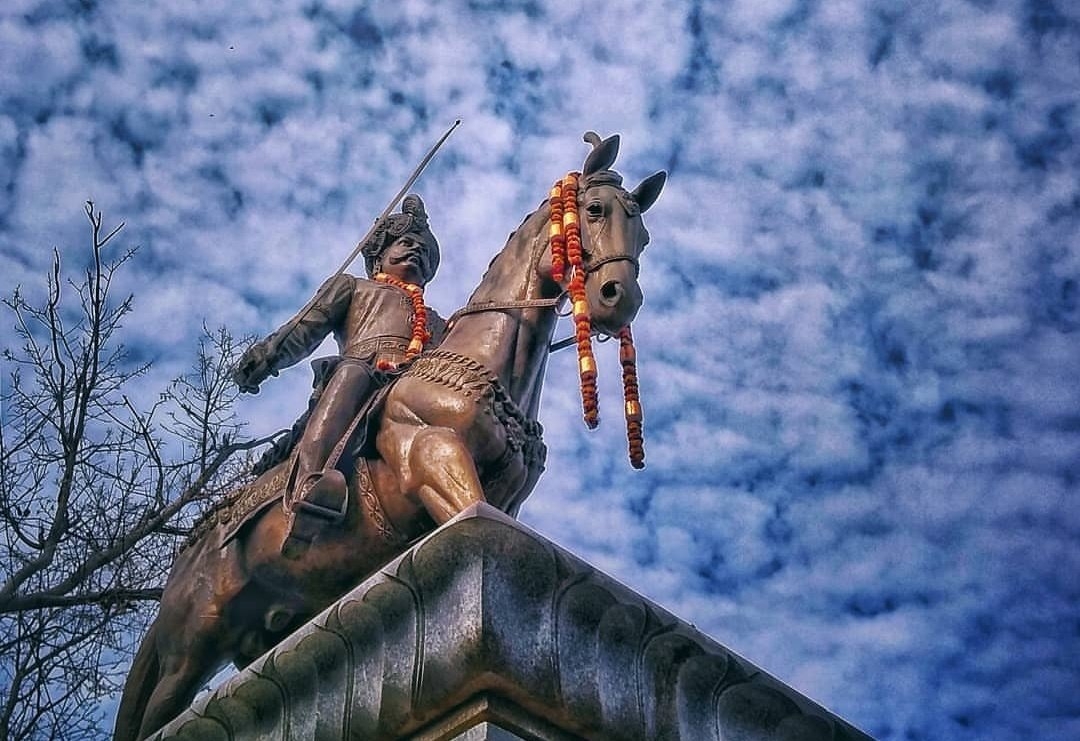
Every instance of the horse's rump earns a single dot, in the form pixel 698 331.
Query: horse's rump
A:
pixel 239 506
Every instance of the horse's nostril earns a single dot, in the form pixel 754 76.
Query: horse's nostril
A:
pixel 611 292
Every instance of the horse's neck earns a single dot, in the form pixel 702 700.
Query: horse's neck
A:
pixel 513 344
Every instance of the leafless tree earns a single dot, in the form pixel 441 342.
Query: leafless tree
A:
pixel 96 492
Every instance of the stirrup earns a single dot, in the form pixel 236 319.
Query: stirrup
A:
pixel 322 504
pixel 327 513
pixel 324 494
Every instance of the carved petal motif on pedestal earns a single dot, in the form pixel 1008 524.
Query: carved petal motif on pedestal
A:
pixel 485 608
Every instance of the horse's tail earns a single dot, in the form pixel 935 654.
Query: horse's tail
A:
pixel 141 681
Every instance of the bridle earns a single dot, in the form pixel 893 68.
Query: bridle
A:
pixel 564 240
pixel 592 266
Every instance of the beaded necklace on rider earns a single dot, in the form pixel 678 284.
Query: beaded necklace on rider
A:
pixel 565 238
pixel 420 333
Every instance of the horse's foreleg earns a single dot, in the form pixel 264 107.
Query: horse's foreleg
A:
pixel 442 473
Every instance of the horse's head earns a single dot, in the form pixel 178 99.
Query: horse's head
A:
pixel 612 235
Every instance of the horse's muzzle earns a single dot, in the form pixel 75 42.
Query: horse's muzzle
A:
pixel 614 298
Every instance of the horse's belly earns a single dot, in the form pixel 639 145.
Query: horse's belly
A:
pixel 340 558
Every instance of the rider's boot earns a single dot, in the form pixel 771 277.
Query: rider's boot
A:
pixel 317 494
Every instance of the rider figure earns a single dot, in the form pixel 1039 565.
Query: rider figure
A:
pixel 372 321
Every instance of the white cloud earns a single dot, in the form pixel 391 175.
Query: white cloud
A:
pixel 858 344
pixel 746 16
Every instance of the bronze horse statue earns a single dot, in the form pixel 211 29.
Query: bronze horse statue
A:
pixel 458 426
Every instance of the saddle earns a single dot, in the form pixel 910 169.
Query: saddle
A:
pixel 355 444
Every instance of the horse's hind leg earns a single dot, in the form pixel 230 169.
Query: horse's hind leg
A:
pixel 179 681
pixel 137 689
pixel 190 633
pixel 442 473
pixel 159 686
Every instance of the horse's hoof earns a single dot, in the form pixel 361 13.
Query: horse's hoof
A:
pixel 251 643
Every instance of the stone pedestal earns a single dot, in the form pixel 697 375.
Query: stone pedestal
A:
pixel 485 630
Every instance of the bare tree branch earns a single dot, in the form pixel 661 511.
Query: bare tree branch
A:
pixel 108 597
pixel 95 488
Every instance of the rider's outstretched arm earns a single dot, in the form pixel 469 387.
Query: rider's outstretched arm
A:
pixel 297 338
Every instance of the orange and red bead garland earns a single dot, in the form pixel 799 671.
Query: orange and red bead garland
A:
pixel 564 233
pixel 634 436
pixel 420 334
pixel 555 235
pixel 565 237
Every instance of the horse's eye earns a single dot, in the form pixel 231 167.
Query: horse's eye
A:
pixel 595 210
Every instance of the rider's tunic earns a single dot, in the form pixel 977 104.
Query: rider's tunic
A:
pixel 371 322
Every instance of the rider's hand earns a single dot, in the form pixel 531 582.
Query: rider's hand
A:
pixel 254 368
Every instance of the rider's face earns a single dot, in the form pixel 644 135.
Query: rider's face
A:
pixel 406 259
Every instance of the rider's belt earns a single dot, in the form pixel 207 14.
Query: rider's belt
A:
pixel 374 349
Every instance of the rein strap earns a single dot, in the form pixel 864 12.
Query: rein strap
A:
pixel 537 303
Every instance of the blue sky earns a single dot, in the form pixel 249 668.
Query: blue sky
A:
pixel 861 335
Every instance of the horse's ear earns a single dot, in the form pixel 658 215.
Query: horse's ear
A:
pixel 649 190
pixel 603 153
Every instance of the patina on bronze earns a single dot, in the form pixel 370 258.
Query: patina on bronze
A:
pixel 456 428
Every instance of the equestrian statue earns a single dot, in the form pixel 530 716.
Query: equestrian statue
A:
pixel 414 421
